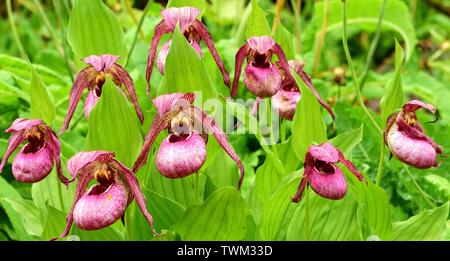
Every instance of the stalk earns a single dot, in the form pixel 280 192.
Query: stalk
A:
pixel 12 23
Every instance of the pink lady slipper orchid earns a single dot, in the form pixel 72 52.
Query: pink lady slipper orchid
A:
pixel 321 172
pixel 183 152
pixel 35 160
pixel 93 77
pixel 262 77
pixel 405 138
pixel 194 31
pixel 105 202
pixel 287 98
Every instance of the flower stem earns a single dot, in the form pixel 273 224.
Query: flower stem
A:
pixel 423 193
pixel 352 67
pixel 129 9
pixel 12 23
pixel 321 40
pixel 380 163
pixel 297 7
pixel 373 45
pixel 276 20
pixel 283 131
pixel 138 29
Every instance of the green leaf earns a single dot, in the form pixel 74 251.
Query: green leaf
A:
pixel 21 68
pixel 19 231
pixel 51 192
pixel 257 24
pixel 347 141
pixel 55 223
pixel 440 183
pixel 94 29
pixel 278 208
pixel 374 210
pixel 223 171
pixel 267 177
pixel 427 225
pixel 165 212
pixel 393 93
pixel 41 105
pixel 114 126
pixel 308 125
pixel 327 219
pixel 184 71
pixel 286 40
pixel 28 212
pixel 200 4
pixel 366 13
pixel 223 217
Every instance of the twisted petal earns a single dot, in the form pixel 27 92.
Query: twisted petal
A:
pixel 133 183
pixel 185 16
pixel 351 167
pixel 160 29
pixel 298 195
pixel 240 57
pixel 83 81
pixel 209 126
pixel 119 73
pixel 55 147
pixel 17 129
pixel 201 30
pixel 261 44
pixel 101 63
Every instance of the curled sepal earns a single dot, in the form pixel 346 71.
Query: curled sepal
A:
pixel 160 30
pixel 209 126
pixel 82 81
pixel 239 60
pixel 203 32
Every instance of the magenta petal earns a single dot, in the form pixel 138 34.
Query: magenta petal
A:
pixel 263 82
pixel 209 126
pixel 120 74
pixel 160 29
pixel 101 62
pixel 177 158
pixel 90 102
pixel 324 152
pixel 141 201
pixel 206 36
pixel 167 102
pixel 31 167
pixel 185 16
pixel 285 101
pixel 101 206
pixel 21 124
pixel 83 81
pixel 331 186
pixel 83 158
pixel 414 105
pixel 416 152
pixel 240 57
pixel 162 56
pixel 13 143
pixel 261 44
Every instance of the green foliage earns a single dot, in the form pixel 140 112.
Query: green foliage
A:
pixel 41 105
pixel 94 29
pixel 257 24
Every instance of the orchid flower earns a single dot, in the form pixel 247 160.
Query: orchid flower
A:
pixel 321 172
pixel 262 77
pixel 194 31
pixel 289 95
pixel 405 138
pixel 35 160
pixel 105 202
pixel 183 152
pixel 93 77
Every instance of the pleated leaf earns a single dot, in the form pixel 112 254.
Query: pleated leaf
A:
pixel 41 105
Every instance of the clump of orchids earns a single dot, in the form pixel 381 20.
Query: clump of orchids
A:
pixel 265 78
